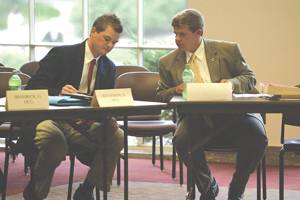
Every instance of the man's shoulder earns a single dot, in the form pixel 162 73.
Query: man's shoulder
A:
pixel 171 55
pixel 220 43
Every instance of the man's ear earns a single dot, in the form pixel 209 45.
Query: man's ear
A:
pixel 199 32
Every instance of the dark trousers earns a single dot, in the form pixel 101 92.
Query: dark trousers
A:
pixel 244 132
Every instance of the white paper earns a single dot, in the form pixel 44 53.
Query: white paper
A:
pixel 209 91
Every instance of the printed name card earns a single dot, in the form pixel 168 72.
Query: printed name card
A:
pixel 26 100
pixel 112 98
pixel 209 91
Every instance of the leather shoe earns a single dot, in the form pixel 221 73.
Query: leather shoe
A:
pixel 190 195
pixel 28 193
pixel 212 192
pixel 236 198
pixel 83 193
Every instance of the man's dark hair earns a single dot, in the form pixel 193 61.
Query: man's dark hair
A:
pixel 103 21
pixel 189 17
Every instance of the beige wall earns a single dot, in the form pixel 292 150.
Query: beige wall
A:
pixel 268 32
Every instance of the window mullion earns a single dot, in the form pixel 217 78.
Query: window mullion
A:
pixel 140 30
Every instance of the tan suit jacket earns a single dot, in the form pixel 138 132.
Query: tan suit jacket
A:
pixel 224 61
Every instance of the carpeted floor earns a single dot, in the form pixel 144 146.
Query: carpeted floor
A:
pixel 147 179
pixel 160 191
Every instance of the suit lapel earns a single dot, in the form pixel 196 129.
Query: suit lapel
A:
pixel 212 59
pixel 77 64
pixel 179 65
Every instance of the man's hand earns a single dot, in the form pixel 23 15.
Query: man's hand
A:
pixel 180 88
pixel 227 81
pixel 68 89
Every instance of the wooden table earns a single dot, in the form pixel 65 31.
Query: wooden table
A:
pixel 86 112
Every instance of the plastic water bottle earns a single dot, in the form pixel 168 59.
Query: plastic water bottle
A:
pixel 15 82
pixel 187 77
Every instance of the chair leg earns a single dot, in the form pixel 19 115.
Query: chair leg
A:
pixel 119 172
pixel 5 172
pixel 173 162
pixel 180 172
pixel 281 174
pixel 264 177
pixel 153 149
pixel 258 181
pixel 161 156
pixel 71 175
pixel 97 193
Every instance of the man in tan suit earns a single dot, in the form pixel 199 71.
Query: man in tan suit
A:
pixel 217 61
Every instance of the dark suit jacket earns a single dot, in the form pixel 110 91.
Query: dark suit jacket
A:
pixel 63 65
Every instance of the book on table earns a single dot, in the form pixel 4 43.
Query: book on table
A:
pixel 281 91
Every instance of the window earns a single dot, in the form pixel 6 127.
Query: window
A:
pixel 29 28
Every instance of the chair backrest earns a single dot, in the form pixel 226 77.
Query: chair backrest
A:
pixel 291 119
pixel 4 77
pixel 143 84
pixel 121 69
pixel 6 69
pixel 30 68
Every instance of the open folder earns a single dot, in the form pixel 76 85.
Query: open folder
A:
pixel 67 101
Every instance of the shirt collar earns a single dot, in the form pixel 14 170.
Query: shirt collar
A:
pixel 199 53
pixel 88 57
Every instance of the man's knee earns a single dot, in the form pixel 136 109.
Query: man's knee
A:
pixel 51 139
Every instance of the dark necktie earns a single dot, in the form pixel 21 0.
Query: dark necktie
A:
pixel 90 74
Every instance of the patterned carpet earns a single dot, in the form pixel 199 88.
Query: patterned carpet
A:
pixel 160 191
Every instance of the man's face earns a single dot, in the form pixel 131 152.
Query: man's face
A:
pixel 103 42
pixel 186 39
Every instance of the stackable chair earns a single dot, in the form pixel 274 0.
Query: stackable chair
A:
pixel 288 145
pixel 121 69
pixel 143 86
pixel 30 68
pixel 7 130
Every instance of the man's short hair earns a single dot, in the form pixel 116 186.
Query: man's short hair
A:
pixel 105 20
pixel 189 17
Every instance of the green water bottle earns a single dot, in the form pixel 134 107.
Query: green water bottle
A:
pixel 15 82
pixel 187 77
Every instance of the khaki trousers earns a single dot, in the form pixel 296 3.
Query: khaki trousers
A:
pixel 54 139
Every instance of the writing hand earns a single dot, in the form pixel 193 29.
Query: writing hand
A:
pixel 67 89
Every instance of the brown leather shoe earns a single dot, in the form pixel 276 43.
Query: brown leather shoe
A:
pixel 190 195
pixel 83 193
pixel 212 192
pixel 28 193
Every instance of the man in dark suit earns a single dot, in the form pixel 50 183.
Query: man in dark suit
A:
pixel 70 69
pixel 217 61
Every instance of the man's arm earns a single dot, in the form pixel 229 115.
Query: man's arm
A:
pixel 243 79
pixel 165 90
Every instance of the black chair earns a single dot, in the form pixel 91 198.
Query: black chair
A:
pixel 260 170
pixel 7 130
pixel 288 145
pixel 143 86
pixel 30 68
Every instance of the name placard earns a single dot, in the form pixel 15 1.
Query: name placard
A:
pixel 112 98
pixel 27 100
pixel 209 91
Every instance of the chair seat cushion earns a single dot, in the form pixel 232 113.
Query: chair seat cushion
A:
pixel 292 144
pixel 149 128
pixel 6 130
